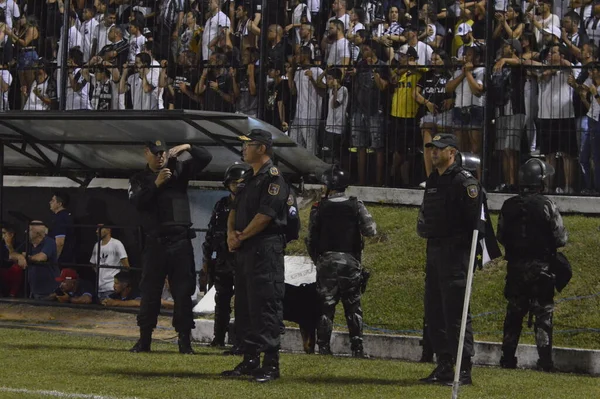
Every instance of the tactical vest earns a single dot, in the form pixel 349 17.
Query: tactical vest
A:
pixel 439 216
pixel 526 228
pixel 339 227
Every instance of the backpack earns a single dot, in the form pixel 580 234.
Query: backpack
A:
pixel 292 228
pixel 500 91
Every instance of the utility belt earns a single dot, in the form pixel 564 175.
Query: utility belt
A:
pixel 166 238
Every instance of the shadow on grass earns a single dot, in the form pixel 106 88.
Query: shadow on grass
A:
pixel 170 374
pixel 63 347
pixel 334 380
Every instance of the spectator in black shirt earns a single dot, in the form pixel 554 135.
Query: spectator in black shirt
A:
pixel 184 78
pixel 279 50
pixel 278 100
pixel 62 227
pixel 125 295
pixel 215 86
pixel 431 93
pixel 72 289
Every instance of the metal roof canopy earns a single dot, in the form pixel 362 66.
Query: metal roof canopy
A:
pixel 83 145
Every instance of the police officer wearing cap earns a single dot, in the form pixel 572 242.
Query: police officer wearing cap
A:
pixel 531 229
pixel 218 262
pixel 255 232
pixel 447 218
pixel 159 193
pixel 336 226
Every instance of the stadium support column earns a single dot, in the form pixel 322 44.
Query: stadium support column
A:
pixel 64 45
pixel 264 47
pixel 488 110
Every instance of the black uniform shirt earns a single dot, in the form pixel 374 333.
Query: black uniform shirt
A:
pixel 166 206
pixel 451 205
pixel 265 193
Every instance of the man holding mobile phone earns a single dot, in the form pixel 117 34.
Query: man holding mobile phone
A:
pixel 159 193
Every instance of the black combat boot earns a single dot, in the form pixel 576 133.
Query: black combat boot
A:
pixel 443 373
pixel 357 349
pixel 545 362
pixel 325 350
pixel 508 362
pixel 464 377
pixel 185 343
pixel 235 350
pixel 143 344
pixel 269 370
pixel 246 367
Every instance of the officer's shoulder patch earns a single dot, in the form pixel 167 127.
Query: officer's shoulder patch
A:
pixel 290 200
pixel 466 174
pixel 274 171
pixel 472 190
pixel 273 189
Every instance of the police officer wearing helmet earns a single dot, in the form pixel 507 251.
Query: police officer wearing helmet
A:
pixel 448 216
pixel 255 232
pixel 218 262
pixel 531 229
pixel 159 193
pixel 337 224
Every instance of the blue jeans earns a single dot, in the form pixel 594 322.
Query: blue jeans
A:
pixel 590 146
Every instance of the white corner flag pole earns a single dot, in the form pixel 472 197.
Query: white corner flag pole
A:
pixel 463 324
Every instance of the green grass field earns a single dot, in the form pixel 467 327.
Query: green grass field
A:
pixel 76 364
pixel 396 257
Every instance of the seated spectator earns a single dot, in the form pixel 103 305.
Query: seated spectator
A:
pixel 167 302
pixel 125 295
pixel 11 275
pixel 112 253
pixel 72 289
pixel 41 258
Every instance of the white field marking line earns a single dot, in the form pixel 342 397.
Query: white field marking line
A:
pixel 57 394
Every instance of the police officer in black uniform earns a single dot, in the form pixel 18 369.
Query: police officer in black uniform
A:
pixel 159 193
pixel 218 261
pixel 448 216
pixel 255 232
pixel 531 229
pixel 334 242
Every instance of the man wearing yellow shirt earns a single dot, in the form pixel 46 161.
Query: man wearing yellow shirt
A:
pixel 404 138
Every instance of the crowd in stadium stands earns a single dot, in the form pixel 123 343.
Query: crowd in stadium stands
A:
pixel 364 81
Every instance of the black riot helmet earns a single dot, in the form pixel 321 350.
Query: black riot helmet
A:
pixel 234 172
pixel 335 178
pixel 532 174
pixel 468 161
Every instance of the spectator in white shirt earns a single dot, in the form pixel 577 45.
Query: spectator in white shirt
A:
pixel 5 82
pixel 112 253
pixel 100 37
pixel 300 15
pixel 143 84
pixel 136 40
pixel 213 28
pixel 11 10
pixel 77 86
pixel 305 125
pixel 87 30
pixel 42 91
pixel 339 51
